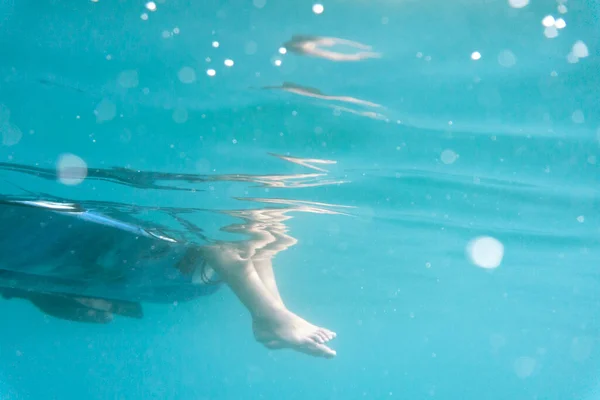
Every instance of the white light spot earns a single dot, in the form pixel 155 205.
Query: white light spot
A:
pixel 485 252
pixel 578 117
pixel 572 58
pixel 176 31
pixel 282 50
pixel 250 48
pixel 144 17
pixel 211 72
pixel 215 44
pixel 507 59
pixel 11 134
pixel 562 9
pixel 108 57
pixel 259 3
pixel 151 6
pixel 180 115
pixel 318 8
pixel 106 110
pixel 548 21
pixel 277 63
pixel 550 32
pixel 560 23
pixel 475 55
pixel 497 340
pixel 518 3
pixel 581 219
pixel 128 79
pixel 70 169
pixel 187 75
pixel 448 156
pixel 228 63
pixel 580 50
pixel 524 367
pixel 581 348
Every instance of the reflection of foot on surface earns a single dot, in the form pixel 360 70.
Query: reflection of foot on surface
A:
pixel 285 329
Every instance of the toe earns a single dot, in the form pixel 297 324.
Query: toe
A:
pixel 324 351
pixel 316 349
pixel 316 337
pixel 323 335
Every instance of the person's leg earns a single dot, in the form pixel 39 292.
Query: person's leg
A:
pixel 263 258
pixel 273 325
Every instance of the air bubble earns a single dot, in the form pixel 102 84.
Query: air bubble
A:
pixel 518 3
pixel 128 79
pixel 71 170
pixel 524 367
pixel 106 110
pixel 486 252
pixel 580 49
pixel 507 59
pixel 318 8
pixel 187 75
pixel 448 156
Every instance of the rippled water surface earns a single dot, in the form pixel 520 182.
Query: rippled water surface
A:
pixel 427 172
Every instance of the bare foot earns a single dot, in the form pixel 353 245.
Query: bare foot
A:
pixel 285 329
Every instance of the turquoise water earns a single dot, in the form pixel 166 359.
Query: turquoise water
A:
pixel 473 122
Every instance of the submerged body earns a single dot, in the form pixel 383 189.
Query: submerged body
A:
pixel 80 265
pixel 59 248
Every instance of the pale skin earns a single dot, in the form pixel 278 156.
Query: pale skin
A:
pixel 248 271
pixel 314 46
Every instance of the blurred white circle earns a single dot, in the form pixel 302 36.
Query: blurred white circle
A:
pixel 548 21
pixel 151 6
pixel 187 75
pixel 448 156
pixel 518 3
pixel 485 252
pixel 128 79
pixel 180 115
pixel 106 110
pixel 228 63
pixel 507 59
pixel 550 32
pixel 580 49
pixel 318 8
pixel 11 134
pixel 71 169
pixel 475 55
pixel 524 366
pixel 578 117
pixel 211 72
